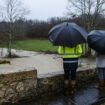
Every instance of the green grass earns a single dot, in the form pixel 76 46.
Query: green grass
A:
pixel 38 45
pixel 35 45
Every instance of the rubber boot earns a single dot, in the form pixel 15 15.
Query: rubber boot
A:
pixel 66 87
pixel 101 85
pixel 66 82
pixel 73 85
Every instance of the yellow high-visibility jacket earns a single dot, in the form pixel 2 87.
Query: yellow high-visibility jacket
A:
pixel 68 52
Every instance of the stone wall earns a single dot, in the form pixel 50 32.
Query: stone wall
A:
pixel 15 87
pixel 55 82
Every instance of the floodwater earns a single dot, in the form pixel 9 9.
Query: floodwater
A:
pixel 87 95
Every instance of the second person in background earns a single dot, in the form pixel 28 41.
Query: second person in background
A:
pixel 100 64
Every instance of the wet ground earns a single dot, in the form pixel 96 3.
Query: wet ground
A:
pixel 87 95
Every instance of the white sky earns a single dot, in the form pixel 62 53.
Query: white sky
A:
pixel 44 9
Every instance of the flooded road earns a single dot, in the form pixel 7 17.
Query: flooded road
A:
pixel 87 95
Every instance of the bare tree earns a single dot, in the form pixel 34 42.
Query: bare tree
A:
pixel 13 10
pixel 89 10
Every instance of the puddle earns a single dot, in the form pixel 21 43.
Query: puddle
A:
pixel 87 95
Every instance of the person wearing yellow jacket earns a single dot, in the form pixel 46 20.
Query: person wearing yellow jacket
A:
pixel 70 62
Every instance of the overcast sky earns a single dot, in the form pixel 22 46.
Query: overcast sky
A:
pixel 44 9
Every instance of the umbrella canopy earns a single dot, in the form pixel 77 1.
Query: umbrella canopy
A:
pixel 96 41
pixel 67 34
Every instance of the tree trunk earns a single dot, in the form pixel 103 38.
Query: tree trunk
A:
pixel 10 45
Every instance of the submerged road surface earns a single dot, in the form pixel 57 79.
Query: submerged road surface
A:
pixel 87 95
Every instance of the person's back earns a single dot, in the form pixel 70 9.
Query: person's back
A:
pixel 68 52
pixel 100 60
pixel 70 62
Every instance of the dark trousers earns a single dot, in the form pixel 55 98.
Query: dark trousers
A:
pixel 101 72
pixel 70 66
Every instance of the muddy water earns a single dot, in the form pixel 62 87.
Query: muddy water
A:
pixel 86 95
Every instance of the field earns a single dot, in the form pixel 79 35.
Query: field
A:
pixel 35 45
pixel 40 46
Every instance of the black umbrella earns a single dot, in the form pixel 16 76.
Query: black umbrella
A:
pixel 67 34
pixel 96 41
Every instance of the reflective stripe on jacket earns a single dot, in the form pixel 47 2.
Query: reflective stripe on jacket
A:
pixel 68 52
